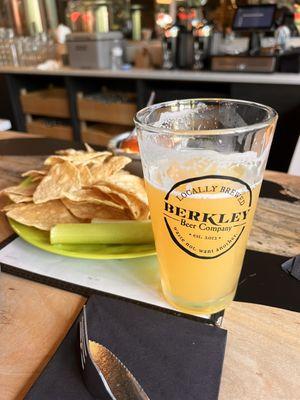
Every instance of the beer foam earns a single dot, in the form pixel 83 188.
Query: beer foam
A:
pixel 173 168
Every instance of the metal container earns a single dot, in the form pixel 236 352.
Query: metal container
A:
pixel 92 50
pixel 135 167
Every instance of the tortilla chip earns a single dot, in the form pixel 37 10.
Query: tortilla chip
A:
pixel 110 167
pixel 21 190
pixel 88 211
pixel 77 158
pixel 42 216
pixel 77 186
pixel 9 207
pixel 129 184
pixel 67 152
pixel 88 148
pixel 85 175
pixel 61 179
pixel 93 196
pixel 137 209
pixel 16 198
pixel 99 161
pixel 37 179
pixel 129 189
pixel 20 193
pixel 33 173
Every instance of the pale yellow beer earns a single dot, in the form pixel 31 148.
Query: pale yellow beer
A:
pixel 203 163
pixel 191 283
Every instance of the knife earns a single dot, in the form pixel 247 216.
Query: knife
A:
pixel 105 376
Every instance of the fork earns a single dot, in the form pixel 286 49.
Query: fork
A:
pixel 111 380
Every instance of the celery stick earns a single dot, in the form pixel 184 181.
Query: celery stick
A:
pixel 124 232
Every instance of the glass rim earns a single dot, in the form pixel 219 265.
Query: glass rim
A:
pixel 146 111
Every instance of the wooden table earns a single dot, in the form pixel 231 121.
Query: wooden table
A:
pixel 262 358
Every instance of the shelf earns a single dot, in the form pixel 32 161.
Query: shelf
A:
pixel 52 102
pixel 100 134
pixel 40 127
pixel 90 109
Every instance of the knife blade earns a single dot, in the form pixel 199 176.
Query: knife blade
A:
pixel 121 382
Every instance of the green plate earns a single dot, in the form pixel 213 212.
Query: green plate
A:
pixel 40 239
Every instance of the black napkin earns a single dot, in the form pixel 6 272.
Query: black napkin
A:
pixel 173 357
pixel 292 267
pixel 263 281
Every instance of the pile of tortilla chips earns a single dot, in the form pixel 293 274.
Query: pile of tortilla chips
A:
pixel 75 187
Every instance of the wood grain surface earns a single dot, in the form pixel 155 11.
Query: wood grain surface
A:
pixel 262 360
pixel 34 319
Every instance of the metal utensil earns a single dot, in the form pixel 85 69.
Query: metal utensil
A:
pixel 149 103
pixel 106 377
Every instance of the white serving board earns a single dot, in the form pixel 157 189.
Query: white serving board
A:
pixel 136 279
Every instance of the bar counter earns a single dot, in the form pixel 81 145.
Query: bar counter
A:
pixel 177 75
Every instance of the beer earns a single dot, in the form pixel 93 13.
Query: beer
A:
pixel 203 163
pixel 201 232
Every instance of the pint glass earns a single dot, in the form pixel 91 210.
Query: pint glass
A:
pixel 203 163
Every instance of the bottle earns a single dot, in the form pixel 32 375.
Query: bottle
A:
pixel 116 55
pixel 136 17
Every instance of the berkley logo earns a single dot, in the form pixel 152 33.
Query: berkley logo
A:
pixel 206 216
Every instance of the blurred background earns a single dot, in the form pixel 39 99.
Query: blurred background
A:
pixel 28 17
pixel 56 59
